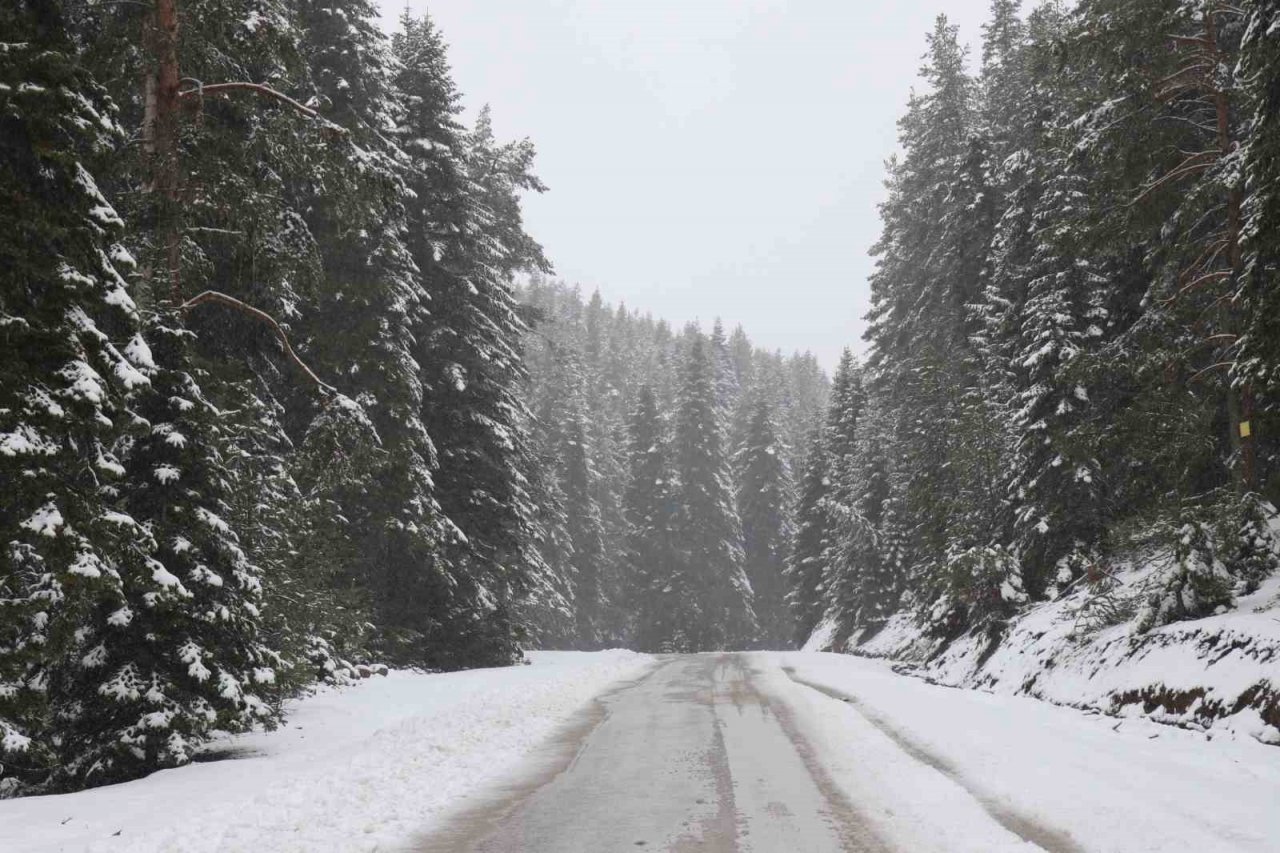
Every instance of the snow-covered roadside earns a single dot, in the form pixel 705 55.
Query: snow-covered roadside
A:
pixel 1219 674
pixel 358 769
pixel 1089 783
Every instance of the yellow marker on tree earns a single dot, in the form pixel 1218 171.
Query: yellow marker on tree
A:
pixel 1246 429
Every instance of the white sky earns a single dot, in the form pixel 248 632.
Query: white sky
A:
pixel 705 157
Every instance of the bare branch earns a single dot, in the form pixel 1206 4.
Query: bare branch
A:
pixel 213 296
pixel 259 89
pixel 1211 367
pixel 1195 163
pixel 1199 280
pixel 206 230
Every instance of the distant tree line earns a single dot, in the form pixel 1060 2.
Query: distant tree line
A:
pixel 665 479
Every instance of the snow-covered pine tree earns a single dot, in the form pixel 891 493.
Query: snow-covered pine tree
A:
pixel 936 230
pixel 546 609
pixel 810 523
pixel 870 542
pixel 361 333
pixel 486 461
pixel 653 584
pixel 764 508
pixel 1057 487
pixel 742 357
pixel 185 658
pixel 1020 100
pixel 606 435
pixel 1258 360
pixel 243 158
pixel 707 531
pixel 840 573
pixel 73 360
pixel 467 338
pixel 586 531
pixel 808 389
pixel 727 390
pixel 141 677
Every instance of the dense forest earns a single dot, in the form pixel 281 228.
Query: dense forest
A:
pixel 665 474
pixel 1075 329
pixel 287 388
pixel 260 409
pixel 266 406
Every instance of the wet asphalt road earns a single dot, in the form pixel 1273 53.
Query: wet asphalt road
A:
pixel 693 757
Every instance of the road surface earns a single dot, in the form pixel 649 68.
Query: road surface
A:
pixel 694 757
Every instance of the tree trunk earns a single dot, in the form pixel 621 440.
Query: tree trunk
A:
pixel 160 138
pixel 1239 400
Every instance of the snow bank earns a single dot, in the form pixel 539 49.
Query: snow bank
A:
pixel 822 638
pixel 1043 775
pixel 355 769
pixel 1219 674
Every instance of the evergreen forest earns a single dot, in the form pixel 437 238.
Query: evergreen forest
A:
pixel 287 389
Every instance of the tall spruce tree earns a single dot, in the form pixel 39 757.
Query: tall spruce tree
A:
pixel 135 629
pixel 805 564
pixel 840 572
pixel 1258 361
pixel 763 502
pixel 652 581
pixel 707 531
pixel 467 346
pixel 66 321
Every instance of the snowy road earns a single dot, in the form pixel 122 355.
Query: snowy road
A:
pixel 694 757
pixel 811 753
pixel 767 751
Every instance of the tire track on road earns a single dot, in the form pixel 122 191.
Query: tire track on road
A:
pixel 1027 828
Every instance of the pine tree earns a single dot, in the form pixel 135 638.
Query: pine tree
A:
pixel 586 531
pixel 652 581
pixel 727 389
pixel 938 222
pixel 840 573
pixel 187 657
pixel 606 434
pixel 144 607
pixel 871 541
pixel 498 432
pixel 362 331
pixel 707 530
pixel 763 501
pixel 73 362
pixel 1057 489
pixel 547 608
pixel 1258 358
pixel 468 335
pixel 806 564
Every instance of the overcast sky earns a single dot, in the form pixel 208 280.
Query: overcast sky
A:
pixel 705 157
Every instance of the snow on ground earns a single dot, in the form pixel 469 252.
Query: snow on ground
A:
pixel 906 751
pixel 1220 673
pixel 357 769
